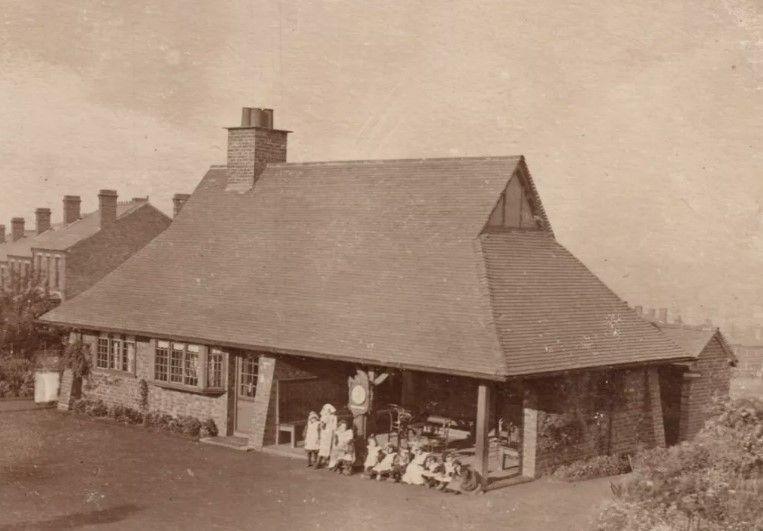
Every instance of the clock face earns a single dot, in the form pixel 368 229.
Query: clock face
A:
pixel 358 395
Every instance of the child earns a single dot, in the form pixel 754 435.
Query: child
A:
pixel 372 455
pixel 463 480
pixel 384 468
pixel 444 476
pixel 432 468
pixel 345 443
pixel 327 429
pixel 311 435
pixel 398 468
pixel 413 471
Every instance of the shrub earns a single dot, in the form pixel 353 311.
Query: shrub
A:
pixel 190 426
pixel 712 482
pixel 17 376
pixel 208 428
pixel 596 467
pixel 76 356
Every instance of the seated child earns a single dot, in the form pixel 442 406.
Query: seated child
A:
pixel 346 459
pixel 432 468
pixel 403 458
pixel 343 443
pixel 443 477
pixel 372 455
pixel 384 468
pixel 414 470
pixel 464 480
pixel 311 435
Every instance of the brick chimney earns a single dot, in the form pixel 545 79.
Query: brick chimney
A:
pixel 42 219
pixel 2 233
pixel 17 229
pixel 663 315
pixel 107 207
pixel 177 203
pixel 650 314
pixel 639 309
pixel 252 146
pixel 71 208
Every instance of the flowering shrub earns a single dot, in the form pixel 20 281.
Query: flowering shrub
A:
pixel 596 467
pixel 712 482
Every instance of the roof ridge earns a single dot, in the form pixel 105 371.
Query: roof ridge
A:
pixel 420 160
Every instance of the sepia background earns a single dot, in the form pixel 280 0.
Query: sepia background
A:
pixel 641 121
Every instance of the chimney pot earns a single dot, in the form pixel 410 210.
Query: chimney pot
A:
pixel 663 315
pixel 17 229
pixel 42 219
pixel 178 201
pixel 71 208
pixel 107 207
pixel 2 233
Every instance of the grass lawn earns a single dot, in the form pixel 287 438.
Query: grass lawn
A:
pixel 61 471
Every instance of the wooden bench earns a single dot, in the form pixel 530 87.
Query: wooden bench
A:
pixel 291 428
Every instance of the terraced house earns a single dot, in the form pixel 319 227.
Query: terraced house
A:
pixel 279 280
pixel 68 257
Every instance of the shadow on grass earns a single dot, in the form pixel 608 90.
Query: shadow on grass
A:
pixel 72 521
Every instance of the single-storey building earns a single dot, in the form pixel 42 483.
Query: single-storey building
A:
pixel 278 280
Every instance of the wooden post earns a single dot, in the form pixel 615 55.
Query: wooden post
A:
pixel 483 425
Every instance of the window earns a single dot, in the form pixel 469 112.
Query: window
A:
pixel 177 363
pixel 56 266
pixel 248 377
pixel 215 368
pixel 114 353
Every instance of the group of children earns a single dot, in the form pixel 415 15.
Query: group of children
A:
pixel 412 465
pixel 330 444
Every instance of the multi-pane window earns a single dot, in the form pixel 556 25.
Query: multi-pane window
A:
pixel 56 266
pixel 162 360
pixel 177 363
pixel 114 353
pixel 248 377
pixel 215 368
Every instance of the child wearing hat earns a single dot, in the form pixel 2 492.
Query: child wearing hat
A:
pixel 372 455
pixel 311 436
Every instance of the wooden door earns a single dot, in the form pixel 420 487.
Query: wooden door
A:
pixel 246 389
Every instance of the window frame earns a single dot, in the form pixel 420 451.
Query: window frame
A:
pixel 115 353
pixel 189 366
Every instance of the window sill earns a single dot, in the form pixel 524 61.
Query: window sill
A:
pixel 188 388
pixel 113 372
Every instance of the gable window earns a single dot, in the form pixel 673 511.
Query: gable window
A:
pixel 189 366
pixel 114 353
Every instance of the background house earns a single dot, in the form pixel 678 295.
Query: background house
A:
pixel 68 257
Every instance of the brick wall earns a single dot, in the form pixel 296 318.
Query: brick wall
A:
pixel 707 378
pixel 93 258
pixel 121 388
pixel 632 419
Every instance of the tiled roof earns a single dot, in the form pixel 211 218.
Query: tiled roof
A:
pixel 379 262
pixel 694 340
pixel 61 237
pixel 553 314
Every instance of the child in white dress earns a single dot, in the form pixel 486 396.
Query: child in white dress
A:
pixel 312 438
pixel 372 455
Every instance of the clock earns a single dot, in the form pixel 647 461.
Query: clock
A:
pixel 358 395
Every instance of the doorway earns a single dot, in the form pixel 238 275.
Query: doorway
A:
pixel 245 392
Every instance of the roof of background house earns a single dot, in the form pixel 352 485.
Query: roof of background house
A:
pixel 61 237
pixel 373 261
pixel 693 340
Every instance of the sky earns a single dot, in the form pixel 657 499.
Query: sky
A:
pixel 640 120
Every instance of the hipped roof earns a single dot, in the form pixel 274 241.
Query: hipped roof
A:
pixel 378 262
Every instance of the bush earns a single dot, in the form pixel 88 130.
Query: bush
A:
pixel 712 482
pixel 76 356
pixel 596 467
pixel 190 426
pixel 16 377
pixel 208 428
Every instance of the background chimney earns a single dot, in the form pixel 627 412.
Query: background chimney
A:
pixel 177 203
pixel 42 219
pixel 17 229
pixel 107 207
pixel 252 146
pixel 663 315
pixel 71 208
pixel 650 314
pixel 639 309
pixel 2 233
